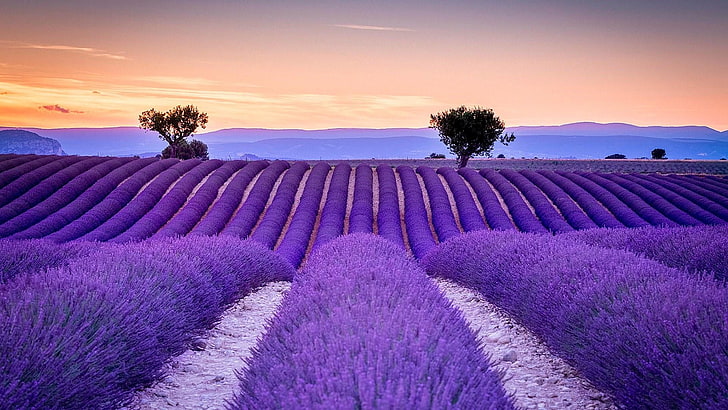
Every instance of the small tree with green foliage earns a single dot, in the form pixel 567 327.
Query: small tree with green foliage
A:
pixel 616 156
pixel 470 131
pixel 658 153
pixel 174 126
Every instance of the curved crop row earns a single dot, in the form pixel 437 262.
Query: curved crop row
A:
pixel 168 205
pixel 135 209
pixel 389 219
pixel 619 209
pixel 443 219
pixel 469 215
pixel 295 242
pixel 9 161
pixel 361 217
pixel 695 186
pixel 494 213
pixel 355 346
pixel 596 211
pixel 219 215
pixel 550 217
pixel 416 222
pixel 574 215
pixel 522 215
pixel 634 201
pixel 29 256
pixel 652 336
pixel 656 201
pixel 33 178
pixel 87 200
pixel 88 334
pixel 682 202
pixel 196 207
pixel 276 215
pixel 249 213
pixel 26 166
pixel 111 203
pixel 49 186
pixel 59 198
pixel 331 223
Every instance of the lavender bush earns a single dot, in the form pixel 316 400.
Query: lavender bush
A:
pixel 27 165
pixel 295 242
pixel 574 215
pixel 87 334
pixel 361 217
pixel 28 256
pixel 417 223
pixel 31 179
pixel 363 327
pixel 652 336
pixel 545 211
pixel 389 221
pixel 333 213
pixel 443 219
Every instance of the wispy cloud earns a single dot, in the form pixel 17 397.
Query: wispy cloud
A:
pixel 94 52
pixel 58 108
pixel 371 28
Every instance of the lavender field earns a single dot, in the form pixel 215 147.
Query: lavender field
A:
pixel 110 267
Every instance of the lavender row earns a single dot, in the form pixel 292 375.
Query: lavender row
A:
pixel 469 215
pixel 389 219
pixel 31 179
pixel 492 209
pixel 693 249
pixel 695 185
pixel 276 215
pixel 90 198
pixel 25 166
pixel 622 212
pixel 522 215
pixel 295 242
pixel 168 205
pixel 135 209
pixel 9 161
pixel 442 217
pixel 249 213
pixel 196 207
pixel 47 187
pixel 652 336
pixel 416 221
pixel 88 334
pixel 550 217
pixel 574 215
pixel 112 203
pixel 361 216
pixel 219 215
pixel 58 198
pixel 29 256
pixel 691 207
pixel 341 339
pixel 588 203
pixel 654 200
pixel 333 213
pixel 634 201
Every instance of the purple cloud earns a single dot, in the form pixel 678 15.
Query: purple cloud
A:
pixel 58 108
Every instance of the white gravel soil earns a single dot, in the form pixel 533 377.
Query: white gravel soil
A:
pixel 536 378
pixel 204 379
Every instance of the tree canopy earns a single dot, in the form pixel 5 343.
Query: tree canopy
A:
pixel 658 153
pixel 470 131
pixel 174 126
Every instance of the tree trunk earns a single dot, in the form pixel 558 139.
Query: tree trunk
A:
pixel 463 161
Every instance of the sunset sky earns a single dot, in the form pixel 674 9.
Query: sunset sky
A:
pixel 323 64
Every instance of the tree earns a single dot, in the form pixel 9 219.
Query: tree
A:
pixel 658 153
pixel 615 156
pixel 470 131
pixel 174 126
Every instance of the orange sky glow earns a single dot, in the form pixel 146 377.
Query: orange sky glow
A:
pixel 326 64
